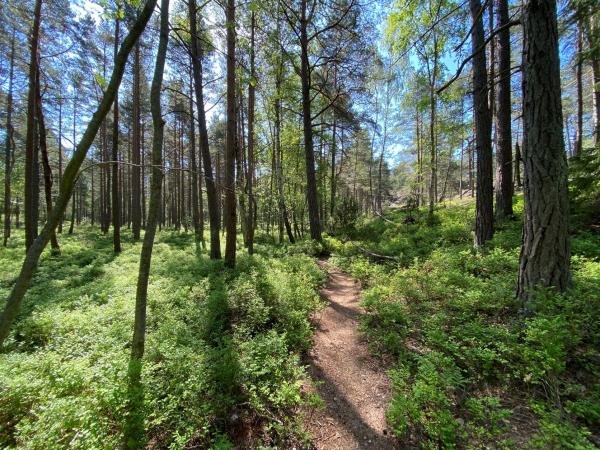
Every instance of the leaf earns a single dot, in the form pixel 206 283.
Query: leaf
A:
pixel 98 78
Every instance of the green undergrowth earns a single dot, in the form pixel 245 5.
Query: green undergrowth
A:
pixel 222 355
pixel 466 370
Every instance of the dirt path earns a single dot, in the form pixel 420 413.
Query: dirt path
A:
pixel 352 383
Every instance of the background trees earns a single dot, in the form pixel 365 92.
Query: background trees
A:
pixel 297 121
pixel 379 126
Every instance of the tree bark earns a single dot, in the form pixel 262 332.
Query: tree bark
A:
pixel 194 168
pixel 420 157
pixel 116 200
pixel 545 254
pixel 278 163
pixel 9 144
pixel 32 170
pixel 250 178
pixel 136 205
pixel 333 180
pixel 383 148
pixel 212 200
pixel 134 430
pixel 45 160
pixel 241 165
pixel 593 37
pixel 32 257
pixel 230 145
pixel 518 160
pixel 311 180
pixel 492 61
pixel 60 155
pixel 504 181
pixel 484 219
pixel 433 182
pixel 579 85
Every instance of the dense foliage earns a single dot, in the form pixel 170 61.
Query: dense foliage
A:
pixel 222 354
pixel 390 132
pixel 467 370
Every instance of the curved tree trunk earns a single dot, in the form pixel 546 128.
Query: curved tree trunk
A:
pixel 545 255
pixel 32 257
pixel 134 429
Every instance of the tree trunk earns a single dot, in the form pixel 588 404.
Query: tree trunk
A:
pixel 45 160
pixel 106 167
pixel 107 177
pixel 484 220
pixel 579 83
pixel 116 200
pixel 194 168
pixel 211 194
pixel 504 182
pixel 333 181
pixel 545 255
pixel 134 429
pixel 283 219
pixel 518 166
pixel 181 175
pixel 433 182
pixel 230 145
pixel 419 157
pixel 250 178
pixel 383 148
pixel 9 144
pixel 240 164
pixel 372 153
pixel 311 180
pixel 73 207
pixel 32 170
pixel 143 175
pixel 460 181
pixel 32 257
pixel 60 155
pixel 92 189
pixel 136 200
pixel 471 152
pixel 492 61
pixel 593 37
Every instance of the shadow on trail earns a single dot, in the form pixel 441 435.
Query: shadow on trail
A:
pixel 350 383
pixel 339 407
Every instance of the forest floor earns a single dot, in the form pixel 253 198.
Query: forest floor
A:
pixel 352 383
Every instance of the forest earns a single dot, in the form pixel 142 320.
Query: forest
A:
pixel 300 224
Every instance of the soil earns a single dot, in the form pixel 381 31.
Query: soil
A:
pixel 351 382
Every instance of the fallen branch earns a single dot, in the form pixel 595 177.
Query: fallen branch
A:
pixel 373 254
